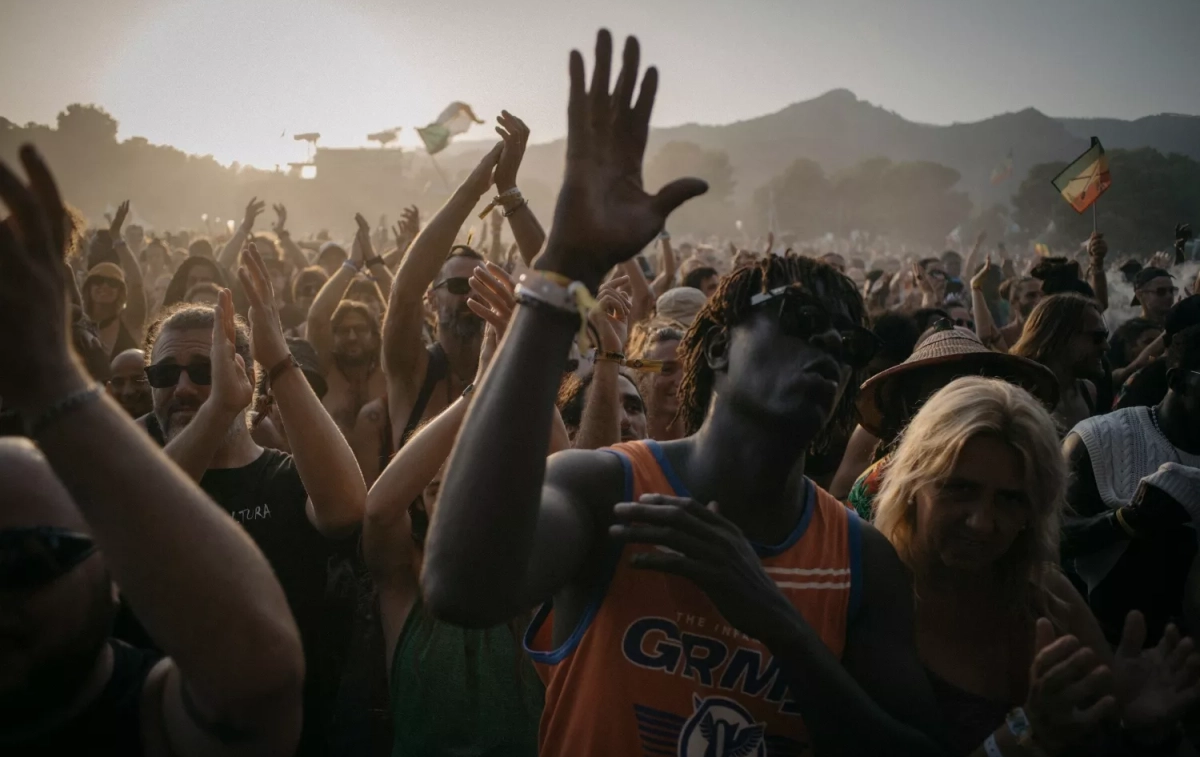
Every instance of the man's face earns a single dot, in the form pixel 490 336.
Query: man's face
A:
pixel 175 406
pixel 1085 351
pixel 786 379
pixel 354 341
pixel 935 270
pixel 199 273
pixel 709 285
pixel 661 389
pixel 1157 296
pixel 453 315
pixel 306 292
pixel 633 411
pixel 969 521
pixel 961 317
pixel 331 259
pixel 1029 294
pixel 127 383
pixel 51 632
pixel 1142 341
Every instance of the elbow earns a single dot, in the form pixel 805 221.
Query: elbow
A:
pixel 465 603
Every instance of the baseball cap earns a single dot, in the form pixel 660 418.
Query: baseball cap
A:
pixel 1183 314
pixel 1145 276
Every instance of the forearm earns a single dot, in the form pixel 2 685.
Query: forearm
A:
pixel 229 253
pixel 416 464
pixel 985 328
pixel 383 280
pixel 428 252
pixel 135 290
pixel 666 279
pixel 1099 283
pixel 839 715
pixel 292 251
pixel 323 458
pixel 483 534
pixel 527 231
pixel 600 425
pixel 193 449
pixel 218 611
pixel 319 325
pixel 643 299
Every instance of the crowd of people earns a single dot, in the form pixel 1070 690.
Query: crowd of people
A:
pixel 594 491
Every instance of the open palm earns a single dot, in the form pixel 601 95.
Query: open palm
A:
pixel 1154 686
pixel 604 216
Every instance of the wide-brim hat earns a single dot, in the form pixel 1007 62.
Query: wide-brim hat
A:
pixel 962 349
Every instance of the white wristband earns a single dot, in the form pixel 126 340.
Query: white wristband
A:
pixel 991 747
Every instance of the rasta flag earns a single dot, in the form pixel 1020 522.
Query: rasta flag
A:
pixel 454 120
pixel 1001 172
pixel 1082 182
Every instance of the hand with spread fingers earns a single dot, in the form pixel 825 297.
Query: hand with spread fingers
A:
pixel 267 343
pixel 362 249
pixel 114 228
pixel 604 216
pixel 33 290
pixel 1069 690
pixel 280 218
pixel 515 134
pixel 492 300
pixel 611 317
pixel 232 387
pixel 705 547
pixel 254 209
pixel 1154 686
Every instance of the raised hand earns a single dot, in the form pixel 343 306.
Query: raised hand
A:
pixel 254 209
pixel 362 249
pixel 411 219
pixel 611 317
pixel 118 221
pixel 267 343
pixel 604 216
pixel 280 218
pixel 515 134
pixel 1161 260
pixel 709 550
pixel 982 275
pixel 493 299
pixel 1154 686
pixel 1069 690
pixel 33 303
pixel 480 178
pixel 232 388
pixel 1097 248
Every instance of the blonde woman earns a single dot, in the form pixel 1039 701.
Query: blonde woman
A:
pixel 972 503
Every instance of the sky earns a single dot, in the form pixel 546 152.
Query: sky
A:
pixel 237 78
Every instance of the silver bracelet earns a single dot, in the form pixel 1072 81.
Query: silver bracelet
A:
pixel 72 401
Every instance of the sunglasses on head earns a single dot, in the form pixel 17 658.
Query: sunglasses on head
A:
pixel 802 317
pixel 166 375
pixel 34 556
pixel 455 285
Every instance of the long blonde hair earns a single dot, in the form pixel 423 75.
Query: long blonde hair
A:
pixel 928 450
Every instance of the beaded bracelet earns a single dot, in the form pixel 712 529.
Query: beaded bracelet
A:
pixel 72 401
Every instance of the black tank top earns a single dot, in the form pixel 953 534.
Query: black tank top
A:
pixel 111 725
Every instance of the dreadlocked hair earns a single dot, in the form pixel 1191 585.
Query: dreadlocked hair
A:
pixel 730 305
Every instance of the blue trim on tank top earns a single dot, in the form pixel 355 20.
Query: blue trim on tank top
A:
pixel 557 655
pixel 763 550
pixel 854 538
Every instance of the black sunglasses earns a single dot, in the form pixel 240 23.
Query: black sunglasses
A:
pixel 166 375
pixel 34 556
pixel 455 285
pixel 799 316
pixel 1161 291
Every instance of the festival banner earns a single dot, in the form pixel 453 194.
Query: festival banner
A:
pixel 454 120
pixel 1082 182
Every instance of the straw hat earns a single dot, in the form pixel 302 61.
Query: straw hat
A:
pixel 963 350
pixel 681 304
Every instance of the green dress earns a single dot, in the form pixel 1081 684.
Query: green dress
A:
pixel 461 692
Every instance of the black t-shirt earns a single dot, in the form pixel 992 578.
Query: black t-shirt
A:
pixel 111 725
pixel 268 499
pixel 1147 387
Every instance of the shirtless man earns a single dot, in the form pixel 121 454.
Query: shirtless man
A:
pixel 346 335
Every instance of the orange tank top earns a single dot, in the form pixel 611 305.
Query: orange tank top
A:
pixel 653 668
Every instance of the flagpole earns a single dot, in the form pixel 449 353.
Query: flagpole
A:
pixel 438 168
pixel 1094 204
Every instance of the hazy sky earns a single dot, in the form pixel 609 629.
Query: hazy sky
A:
pixel 228 77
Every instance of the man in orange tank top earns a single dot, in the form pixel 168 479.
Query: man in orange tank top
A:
pixel 772 623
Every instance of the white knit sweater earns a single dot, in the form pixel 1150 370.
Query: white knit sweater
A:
pixel 1125 447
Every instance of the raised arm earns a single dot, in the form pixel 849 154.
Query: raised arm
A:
pixel 404 355
pixel 319 331
pixel 973 255
pixel 336 492
pixel 228 257
pixel 291 251
pixel 666 277
pixel 985 327
pixel 134 316
pixel 600 424
pixel 525 227
pixel 406 230
pixel 505 534
pixel 371 262
pixel 644 300
pixel 233 681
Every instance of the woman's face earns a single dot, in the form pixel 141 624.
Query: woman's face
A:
pixel 968 521
pixel 1142 341
pixel 663 387
pixel 104 291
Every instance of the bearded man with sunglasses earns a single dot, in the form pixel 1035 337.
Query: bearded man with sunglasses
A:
pixel 96 504
pixel 294 506
pixel 700 592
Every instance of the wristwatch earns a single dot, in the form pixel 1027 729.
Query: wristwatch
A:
pixel 372 261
